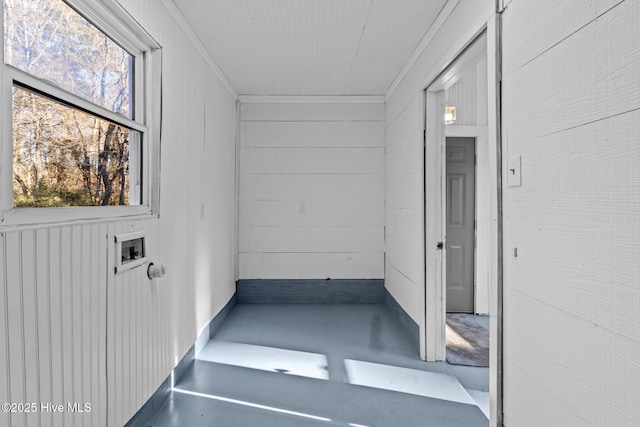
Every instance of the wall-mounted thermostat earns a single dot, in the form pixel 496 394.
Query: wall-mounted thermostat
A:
pixel 130 251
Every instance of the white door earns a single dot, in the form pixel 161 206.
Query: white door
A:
pixel 460 222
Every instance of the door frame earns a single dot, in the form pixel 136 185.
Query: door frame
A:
pixel 435 192
pixel 435 224
pixel 433 339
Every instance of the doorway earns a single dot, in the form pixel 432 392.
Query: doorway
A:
pixel 484 130
pixel 462 87
pixel 460 210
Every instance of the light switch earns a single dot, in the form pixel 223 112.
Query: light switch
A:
pixel 514 174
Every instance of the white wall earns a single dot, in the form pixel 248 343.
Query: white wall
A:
pixel 572 296
pixel 404 181
pixel 311 188
pixel 73 331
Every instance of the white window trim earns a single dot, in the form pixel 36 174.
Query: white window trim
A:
pixel 112 19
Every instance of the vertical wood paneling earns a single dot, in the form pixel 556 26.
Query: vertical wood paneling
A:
pixel 56 306
pixel 133 320
pixel 17 362
pixel 86 296
pixel 482 91
pixel 113 326
pixel 43 307
pixel 102 266
pixel 76 287
pixel 29 320
pixel 66 309
pixel 4 336
pixel 51 324
pixel 122 344
pixel 469 96
pixel 127 312
pixel 138 348
pixel 143 323
pixel 135 323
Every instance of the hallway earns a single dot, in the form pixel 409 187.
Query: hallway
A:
pixel 159 158
pixel 314 365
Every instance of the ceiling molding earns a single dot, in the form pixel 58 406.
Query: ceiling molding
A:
pixel 433 30
pixel 178 17
pixel 328 99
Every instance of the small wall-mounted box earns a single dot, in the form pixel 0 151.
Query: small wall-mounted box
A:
pixel 514 174
pixel 130 251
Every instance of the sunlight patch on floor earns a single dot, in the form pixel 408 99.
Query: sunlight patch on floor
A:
pixel 482 399
pixel 252 405
pixel 460 341
pixel 405 380
pixel 272 359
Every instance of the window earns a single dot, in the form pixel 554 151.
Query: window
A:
pixel 81 82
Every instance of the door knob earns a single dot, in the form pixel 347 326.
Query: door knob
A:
pixel 440 245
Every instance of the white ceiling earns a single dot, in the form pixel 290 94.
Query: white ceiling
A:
pixel 310 47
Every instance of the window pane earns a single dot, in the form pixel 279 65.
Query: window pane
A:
pixel 66 157
pixel 48 39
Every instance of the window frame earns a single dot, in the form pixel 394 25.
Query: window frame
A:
pixel 115 22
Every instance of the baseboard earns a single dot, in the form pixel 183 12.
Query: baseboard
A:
pixel 159 397
pixel 310 291
pixel 219 319
pixel 409 325
pixel 151 406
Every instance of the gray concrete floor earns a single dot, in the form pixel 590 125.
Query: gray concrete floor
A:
pixel 316 365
